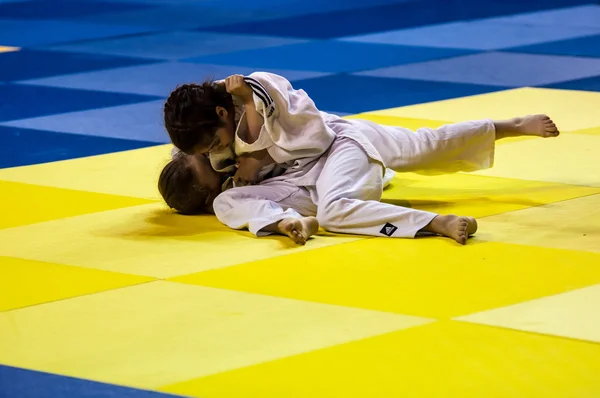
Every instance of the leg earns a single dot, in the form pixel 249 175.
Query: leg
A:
pixel 533 125
pixel 460 147
pixel 266 209
pixel 349 189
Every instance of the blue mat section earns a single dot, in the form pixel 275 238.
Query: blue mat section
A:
pixel 30 64
pixel 21 147
pixel 31 33
pixel 24 101
pixel 497 69
pixel 478 35
pixel 330 56
pixel 389 17
pixel 355 94
pixel 175 45
pixel 22 383
pixel 67 9
pixel 582 47
pixel 157 79
pixel 140 121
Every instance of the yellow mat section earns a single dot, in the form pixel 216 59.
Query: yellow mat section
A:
pixel 445 359
pixel 424 277
pixel 25 282
pixel 147 240
pixel 477 196
pixel 130 173
pixel 571 110
pixel 573 315
pixel 82 242
pixel 6 49
pixel 161 332
pixel 591 131
pixel 569 159
pixel 24 204
pixel 573 224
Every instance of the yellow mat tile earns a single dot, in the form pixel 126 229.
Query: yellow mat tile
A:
pixel 130 173
pixel 6 49
pixel 574 315
pixel 160 332
pixel 25 282
pixel 443 359
pixel 430 277
pixel 592 131
pixel 569 159
pixel 147 240
pixel 474 195
pixel 23 204
pixel 571 110
pixel 566 225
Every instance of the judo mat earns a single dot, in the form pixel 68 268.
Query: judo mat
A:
pixel 106 293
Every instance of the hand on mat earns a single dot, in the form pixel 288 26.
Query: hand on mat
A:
pixel 235 85
pixel 248 168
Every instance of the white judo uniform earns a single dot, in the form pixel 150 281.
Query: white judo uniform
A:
pixel 336 169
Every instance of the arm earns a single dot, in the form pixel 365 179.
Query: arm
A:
pixel 236 85
pixel 246 208
pixel 249 166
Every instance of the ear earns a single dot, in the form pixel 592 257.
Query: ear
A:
pixel 222 112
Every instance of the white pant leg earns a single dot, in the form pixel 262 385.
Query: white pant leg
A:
pixel 348 193
pixel 254 207
pixel 459 147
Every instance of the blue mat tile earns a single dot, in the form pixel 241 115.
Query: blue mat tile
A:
pixel 22 101
pixel 300 7
pixel 29 64
pixel 142 122
pixel 330 56
pixel 23 383
pixel 156 79
pixel 589 84
pixel 174 45
pixel 583 47
pixel 62 9
pixel 37 33
pixel 22 147
pixel 496 69
pixel 388 17
pixel 186 16
pixel 477 35
pixel 354 94
pixel 583 16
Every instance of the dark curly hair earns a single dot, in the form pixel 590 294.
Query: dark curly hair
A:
pixel 179 187
pixel 190 115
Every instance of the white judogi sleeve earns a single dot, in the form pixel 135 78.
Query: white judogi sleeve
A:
pixel 293 127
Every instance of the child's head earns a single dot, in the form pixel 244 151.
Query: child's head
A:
pixel 200 117
pixel 189 184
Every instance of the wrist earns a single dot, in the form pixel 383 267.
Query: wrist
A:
pixel 248 100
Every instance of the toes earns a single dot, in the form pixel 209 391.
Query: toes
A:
pixel 298 238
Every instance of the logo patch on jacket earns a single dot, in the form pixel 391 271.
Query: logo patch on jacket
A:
pixel 388 229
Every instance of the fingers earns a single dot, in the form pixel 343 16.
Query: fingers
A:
pixel 233 82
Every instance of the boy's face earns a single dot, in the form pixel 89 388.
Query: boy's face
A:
pixel 223 136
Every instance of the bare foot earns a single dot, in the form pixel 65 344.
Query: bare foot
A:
pixel 532 125
pixel 455 227
pixel 298 229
